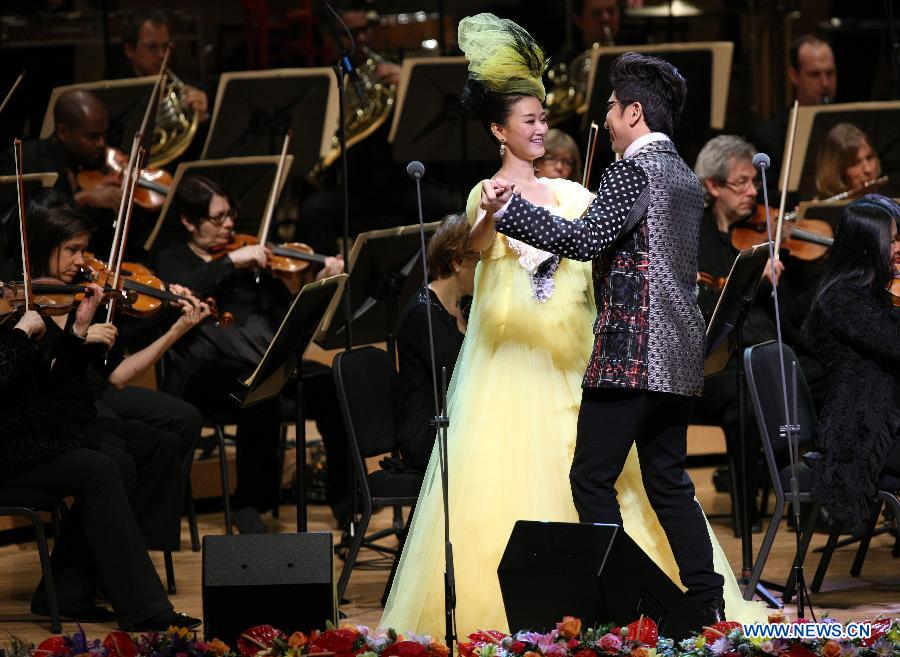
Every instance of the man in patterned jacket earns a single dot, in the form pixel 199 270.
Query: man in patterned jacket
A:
pixel 646 369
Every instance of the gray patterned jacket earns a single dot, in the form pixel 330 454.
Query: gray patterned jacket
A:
pixel 649 332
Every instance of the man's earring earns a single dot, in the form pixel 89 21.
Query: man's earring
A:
pixel 502 149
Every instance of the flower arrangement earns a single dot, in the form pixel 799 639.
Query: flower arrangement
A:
pixel 569 639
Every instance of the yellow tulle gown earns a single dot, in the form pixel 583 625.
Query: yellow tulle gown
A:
pixel 513 405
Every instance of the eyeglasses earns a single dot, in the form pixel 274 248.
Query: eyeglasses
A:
pixel 742 184
pixel 219 219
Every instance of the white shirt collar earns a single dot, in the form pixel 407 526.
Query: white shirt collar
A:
pixel 643 140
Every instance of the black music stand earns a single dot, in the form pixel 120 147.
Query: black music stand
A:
pixel 877 119
pixel 248 181
pixel 255 109
pixel 429 121
pixel 284 357
pixel 385 272
pixel 705 65
pixel 723 335
pixel 125 102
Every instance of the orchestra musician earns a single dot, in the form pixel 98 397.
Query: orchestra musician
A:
pixel 846 161
pixel 99 540
pixel 380 193
pixel 813 73
pixel 205 367
pixel 730 181
pixel 561 157
pixel 57 238
pixel 145 37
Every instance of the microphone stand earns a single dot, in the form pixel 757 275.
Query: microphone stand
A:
pixel 441 421
pixel 790 430
pixel 343 68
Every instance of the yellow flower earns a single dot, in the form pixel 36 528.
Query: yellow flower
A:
pixel 218 647
pixel 297 640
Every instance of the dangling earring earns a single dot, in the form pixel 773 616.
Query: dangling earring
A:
pixel 502 149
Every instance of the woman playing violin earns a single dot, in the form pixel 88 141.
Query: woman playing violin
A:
pixel 856 331
pixel 77 345
pixel 846 161
pixel 206 365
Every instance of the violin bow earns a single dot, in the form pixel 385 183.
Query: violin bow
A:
pixel 12 91
pixel 276 186
pixel 115 262
pixel 20 195
pixel 132 156
pixel 784 180
pixel 589 153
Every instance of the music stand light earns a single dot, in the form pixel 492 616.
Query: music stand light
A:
pixel 429 121
pixel 247 179
pixel 125 102
pixel 877 119
pixel 255 109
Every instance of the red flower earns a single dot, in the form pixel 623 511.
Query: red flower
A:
pixel 54 646
pixel 517 647
pixel 573 643
pixel 119 644
pixel 585 653
pixel 723 627
pixel 405 649
pixel 799 650
pixel 342 642
pixel 879 628
pixel 466 649
pixel 649 633
pixel 481 637
pixel 610 643
pixel 258 637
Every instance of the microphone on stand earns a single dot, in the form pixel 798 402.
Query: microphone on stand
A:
pixel 415 170
pixel 345 62
pixel 762 161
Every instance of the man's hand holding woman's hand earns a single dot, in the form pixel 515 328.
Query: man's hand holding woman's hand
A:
pixel 495 194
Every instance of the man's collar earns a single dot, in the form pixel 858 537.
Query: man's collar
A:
pixel 642 141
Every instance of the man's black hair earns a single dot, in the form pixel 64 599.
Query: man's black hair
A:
pixel 655 84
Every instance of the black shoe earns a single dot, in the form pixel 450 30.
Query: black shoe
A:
pixel 248 521
pixel 162 621
pixel 88 614
pixel 713 611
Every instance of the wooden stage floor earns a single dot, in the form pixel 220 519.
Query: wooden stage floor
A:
pixel 877 591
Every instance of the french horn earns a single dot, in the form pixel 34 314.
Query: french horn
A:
pixel 176 124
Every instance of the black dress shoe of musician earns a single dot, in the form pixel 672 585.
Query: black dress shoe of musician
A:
pixel 88 614
pixel 163 621
pixel 713 611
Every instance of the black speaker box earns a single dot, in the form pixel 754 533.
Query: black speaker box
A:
pixel 285 580
pixel 594 572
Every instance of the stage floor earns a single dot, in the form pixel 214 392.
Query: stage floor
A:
pixel 877 591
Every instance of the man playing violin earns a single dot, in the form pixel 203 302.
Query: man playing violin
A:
pixel 730 185
pixel 78 141
pixel 206 366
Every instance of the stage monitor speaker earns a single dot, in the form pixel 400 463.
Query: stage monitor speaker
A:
pixel 284 580
pixel 594 572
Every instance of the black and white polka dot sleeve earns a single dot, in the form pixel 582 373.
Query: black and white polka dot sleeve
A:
pixel 585 238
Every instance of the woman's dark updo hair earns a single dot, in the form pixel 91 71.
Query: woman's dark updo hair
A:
pixel 486 105
pixel 52 218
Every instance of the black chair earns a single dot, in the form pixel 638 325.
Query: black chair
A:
pixel 764 382
pixel 761 367
pixel 27 503
pixel 366 386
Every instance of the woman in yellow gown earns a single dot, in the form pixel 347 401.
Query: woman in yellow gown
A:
pixel 514 397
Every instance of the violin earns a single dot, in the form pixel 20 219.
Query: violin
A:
pixel 151 188
pixel 806 239
pixel 145 294
pixel 49 296
pixel 290 257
